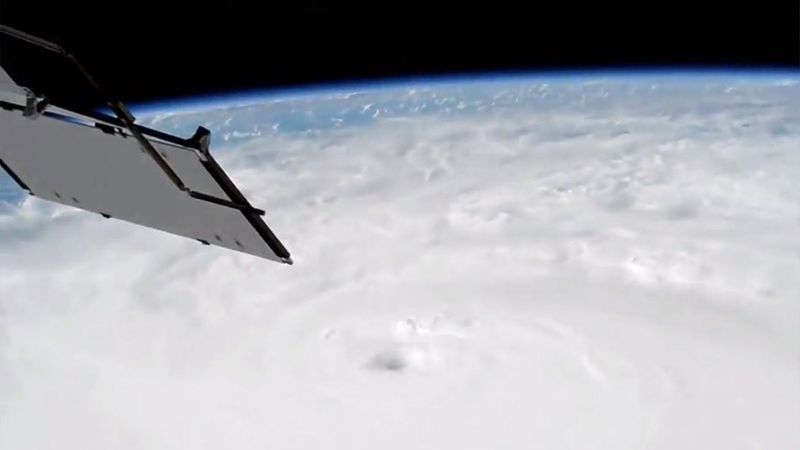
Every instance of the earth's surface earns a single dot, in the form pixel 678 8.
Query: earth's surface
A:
pixel 560 262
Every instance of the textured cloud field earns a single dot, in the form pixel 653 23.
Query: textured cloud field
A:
pixel 557 280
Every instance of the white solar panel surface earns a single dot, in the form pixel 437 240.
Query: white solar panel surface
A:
pixel 85 167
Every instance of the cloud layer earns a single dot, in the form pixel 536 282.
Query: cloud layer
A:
pixel 506 278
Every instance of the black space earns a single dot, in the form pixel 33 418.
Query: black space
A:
pixel 145 52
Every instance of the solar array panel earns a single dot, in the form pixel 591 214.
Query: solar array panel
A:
pixel 110 166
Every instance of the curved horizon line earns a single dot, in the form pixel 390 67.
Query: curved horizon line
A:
pixel 359 85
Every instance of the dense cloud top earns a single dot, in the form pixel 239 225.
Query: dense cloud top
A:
pixel 623 275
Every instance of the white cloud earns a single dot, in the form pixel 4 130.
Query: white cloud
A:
pixel 506 280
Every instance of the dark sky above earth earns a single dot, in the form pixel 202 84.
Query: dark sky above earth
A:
pixel 145 52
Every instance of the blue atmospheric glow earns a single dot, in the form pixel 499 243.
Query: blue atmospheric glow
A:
pixel 210 101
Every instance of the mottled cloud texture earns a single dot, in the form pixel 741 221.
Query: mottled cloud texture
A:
pixel 562 278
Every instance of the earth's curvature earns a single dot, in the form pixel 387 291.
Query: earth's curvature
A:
pixel 605 261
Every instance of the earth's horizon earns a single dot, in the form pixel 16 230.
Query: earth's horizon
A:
pixel 598 260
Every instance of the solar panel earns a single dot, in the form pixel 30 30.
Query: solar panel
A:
pixel 111 167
